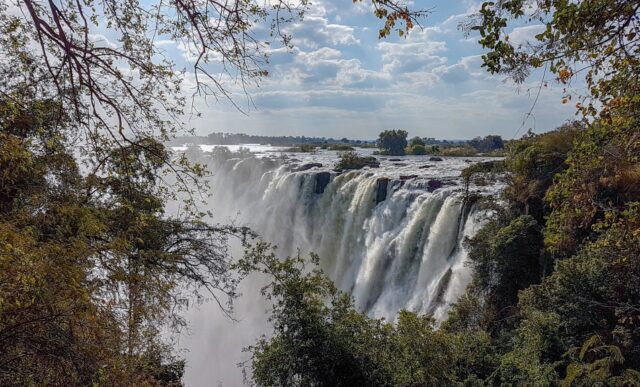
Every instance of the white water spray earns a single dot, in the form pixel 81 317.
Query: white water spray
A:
pixel 393 242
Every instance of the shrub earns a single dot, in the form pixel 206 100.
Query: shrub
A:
pixel 416 149
pixel 340 147
pixel 351 160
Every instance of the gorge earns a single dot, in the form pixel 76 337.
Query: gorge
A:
pixel 391 236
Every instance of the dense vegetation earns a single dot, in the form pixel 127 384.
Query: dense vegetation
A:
pixel 491 145
pixel 220 138
pixel 304 148
pixel 416 147
pixel 92 268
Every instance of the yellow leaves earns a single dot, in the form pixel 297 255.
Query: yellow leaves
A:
pixel 564 75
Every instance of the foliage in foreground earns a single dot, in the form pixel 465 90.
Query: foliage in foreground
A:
pixel 320 339
pixel 91 268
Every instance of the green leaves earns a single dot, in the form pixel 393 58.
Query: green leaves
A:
pixel 392 142
pixel 593 35
pixel 320 339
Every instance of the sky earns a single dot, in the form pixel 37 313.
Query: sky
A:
pixel 340 80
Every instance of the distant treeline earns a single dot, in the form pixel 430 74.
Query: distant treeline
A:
pixel 221 138
pixel 242 138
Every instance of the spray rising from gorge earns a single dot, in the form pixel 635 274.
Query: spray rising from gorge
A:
pixel 392 236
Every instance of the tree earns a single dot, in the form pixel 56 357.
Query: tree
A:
pixel 392 142
pixel 320 339
pixel 417 150
pixel 124 89
pixel 416 147
pixel 488 143
pixel 594 292
pixel 533 161
pixel 505 257
pixel 91 268
pixel 416 141
pixel 596 38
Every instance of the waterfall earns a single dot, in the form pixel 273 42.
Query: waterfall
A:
pixel 392 237
pixel 391 243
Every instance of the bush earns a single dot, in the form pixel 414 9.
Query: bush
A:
pixel 340 147
pixel 351 160
pixel 303 148
pixel 487 144
pixel 416 141
pixel 416 149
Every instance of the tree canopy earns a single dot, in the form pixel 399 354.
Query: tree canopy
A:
pixel 392 142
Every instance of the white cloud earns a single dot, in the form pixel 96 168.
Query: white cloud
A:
pixel 101 41
pixel 339 80
pixel 164 42
pixel 525 35
pixel 316 31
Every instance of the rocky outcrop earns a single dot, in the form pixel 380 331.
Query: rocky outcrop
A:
pixel 408 177
pixel 435 158
pixel 381 189
pixel 322 180
pixel 433 185
pixel 306 167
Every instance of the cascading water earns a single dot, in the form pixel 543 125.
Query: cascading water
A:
pixel 391 243
pixel 392 237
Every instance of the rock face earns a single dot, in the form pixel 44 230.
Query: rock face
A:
pixel 381 191
pixel 433 185
pixel 322 180
pixel 408 177
pixel 306 167
pixel 425 166
pixel 435 158
pixel 395 159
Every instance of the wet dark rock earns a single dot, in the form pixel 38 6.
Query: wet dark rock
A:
pixel 425 166
pixel 433 185
pixel 468 161
pixel 435 158
pixel 306 167
pixel 322 180
pixel 395 159
pixel 408 177
pixel 381 189
pixel 400 164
